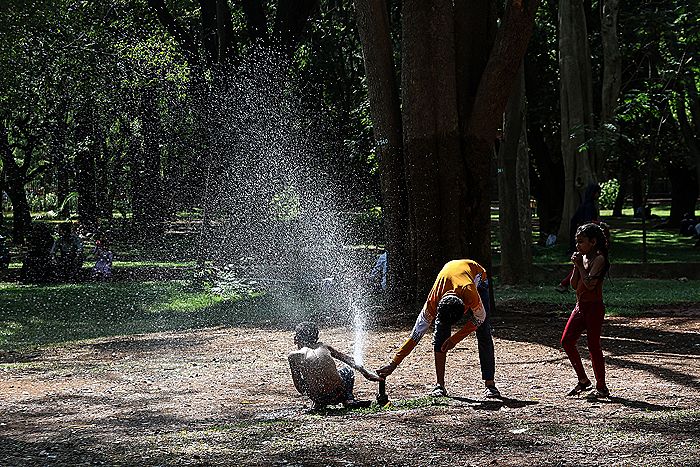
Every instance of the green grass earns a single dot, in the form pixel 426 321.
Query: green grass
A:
pixel 44 315
pixel 627 297
pixel 663 246
pixel 153 264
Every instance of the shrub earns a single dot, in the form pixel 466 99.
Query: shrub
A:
pixel 608 193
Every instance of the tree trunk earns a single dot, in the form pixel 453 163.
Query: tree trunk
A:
pixel 684 193
pixel 495 86
pixel 576 108
pixel 547 182
pixel 619 203
pixel 256 21
pixel 2 197
pixel 514 192
pixel 637 190
pixel 21 216
pixel 15 179
pixel 612 62
pixel 435 168
pixel 690 129
pixel 375 34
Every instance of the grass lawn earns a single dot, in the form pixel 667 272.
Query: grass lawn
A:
pixel 627 240
pixel 627 297
pixel 44 315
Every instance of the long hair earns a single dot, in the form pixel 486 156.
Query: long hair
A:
pixel 597 232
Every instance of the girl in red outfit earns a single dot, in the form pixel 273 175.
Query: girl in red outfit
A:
pixel 590 265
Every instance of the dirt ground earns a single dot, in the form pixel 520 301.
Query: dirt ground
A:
pixel 223 396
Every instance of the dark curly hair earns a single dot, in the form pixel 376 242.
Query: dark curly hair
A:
pixel 306 333
pixel 597 232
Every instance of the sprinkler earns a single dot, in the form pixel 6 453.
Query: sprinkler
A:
pixel 382 398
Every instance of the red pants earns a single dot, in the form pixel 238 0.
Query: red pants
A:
pixel 588 317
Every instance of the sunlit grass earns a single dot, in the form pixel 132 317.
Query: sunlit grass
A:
pixel 39 315
pixel 621 296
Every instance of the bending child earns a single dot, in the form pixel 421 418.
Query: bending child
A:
pixel 590 265
pixel 315 374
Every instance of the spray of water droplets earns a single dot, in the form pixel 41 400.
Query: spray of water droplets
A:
pixel 273 208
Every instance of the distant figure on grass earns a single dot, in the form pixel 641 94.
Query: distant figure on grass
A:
pixel 591 262
pixel 460 290
pixel 585 213
pixel 315 374
pixel 38 266
pixel 68 250
pixel 103 259
pixel 377 276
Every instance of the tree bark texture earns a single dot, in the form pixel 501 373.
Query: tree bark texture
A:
pixel 435 168
pixel 375 35
pixel 612 61
pixel 475 32
pixel 514 217
pixel 576 108
pixel 494 89
pixel 15 179
pixel 690 127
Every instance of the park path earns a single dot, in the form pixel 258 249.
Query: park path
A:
pixel 223 396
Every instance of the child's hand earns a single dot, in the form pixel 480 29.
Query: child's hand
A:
pixel 577 258
pixel 386 370
pixel 448 345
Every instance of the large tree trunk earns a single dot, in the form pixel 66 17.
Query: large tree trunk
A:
pixel 21 216
pixel 475 33
pixel 375 34
pixel 514 192
pixel 690 128
pixel 15 179
pixel 576 108
pixel 436 181
pixel 684 193
pixel 492 96
pixel 612 62
pixel 547 182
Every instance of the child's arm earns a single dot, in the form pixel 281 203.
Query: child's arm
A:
pixel 476 316
pixel 591 278
pixel 577 259
pixel 297 377
pixel 348 360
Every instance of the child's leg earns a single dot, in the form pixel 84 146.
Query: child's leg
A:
pixel 594 314
pixel 572 331
pixel 484 339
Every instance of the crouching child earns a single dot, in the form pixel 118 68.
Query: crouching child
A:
pixel 315 374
